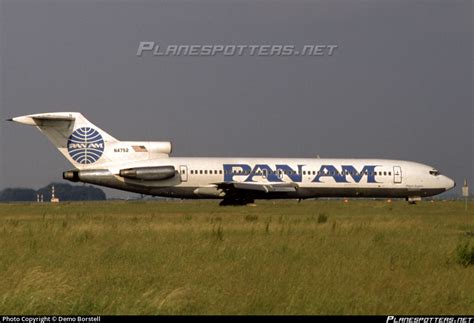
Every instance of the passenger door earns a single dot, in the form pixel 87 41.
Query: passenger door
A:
pixel 183 171
pixel 397 174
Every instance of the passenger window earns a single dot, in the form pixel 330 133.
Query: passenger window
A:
pixel 200 171
pixel 220 172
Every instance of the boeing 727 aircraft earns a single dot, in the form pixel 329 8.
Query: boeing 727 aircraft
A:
pixel 146 168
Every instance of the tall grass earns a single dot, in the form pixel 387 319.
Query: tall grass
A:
pixel 315 257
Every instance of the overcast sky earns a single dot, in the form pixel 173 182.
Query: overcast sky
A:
pixel 398 86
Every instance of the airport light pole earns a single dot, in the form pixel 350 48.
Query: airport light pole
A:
pixel 465 193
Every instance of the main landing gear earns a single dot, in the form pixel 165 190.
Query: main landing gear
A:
pixel 236 201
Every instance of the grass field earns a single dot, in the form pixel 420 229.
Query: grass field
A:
pixel 315 257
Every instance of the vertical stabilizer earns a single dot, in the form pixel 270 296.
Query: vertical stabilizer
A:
pixel 87 146
pixel 80 141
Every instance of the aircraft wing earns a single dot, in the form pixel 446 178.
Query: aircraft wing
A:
pixel 266 188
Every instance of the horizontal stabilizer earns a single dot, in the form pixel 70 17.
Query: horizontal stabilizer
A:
pixel 44 119
pixel 55 118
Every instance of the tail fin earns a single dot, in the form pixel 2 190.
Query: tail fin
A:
pixel 86 145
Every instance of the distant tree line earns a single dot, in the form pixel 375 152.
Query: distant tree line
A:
pixel 65 192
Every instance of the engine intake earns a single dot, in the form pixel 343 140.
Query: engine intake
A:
pixel 157 173
pixel 71 175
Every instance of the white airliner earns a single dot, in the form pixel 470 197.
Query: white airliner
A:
pixel 145 167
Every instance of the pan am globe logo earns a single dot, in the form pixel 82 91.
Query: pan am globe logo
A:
pixel 85 145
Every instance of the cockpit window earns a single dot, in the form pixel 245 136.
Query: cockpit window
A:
pixel 434 172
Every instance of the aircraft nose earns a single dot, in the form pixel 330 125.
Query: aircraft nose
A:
pixel 450 183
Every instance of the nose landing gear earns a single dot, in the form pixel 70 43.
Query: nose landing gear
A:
pixel 413 199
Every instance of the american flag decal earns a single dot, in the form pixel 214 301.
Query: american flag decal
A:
pixel 140 149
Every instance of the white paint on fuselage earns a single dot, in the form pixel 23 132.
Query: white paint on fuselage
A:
pixel 413 175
